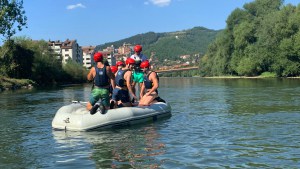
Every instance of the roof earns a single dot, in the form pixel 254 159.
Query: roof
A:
pixel 88 49
pixel 67 44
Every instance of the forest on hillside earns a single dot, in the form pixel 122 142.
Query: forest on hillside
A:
pixel 263 37
pixel 170 45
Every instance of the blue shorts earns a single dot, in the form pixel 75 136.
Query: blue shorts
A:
pixel 120 94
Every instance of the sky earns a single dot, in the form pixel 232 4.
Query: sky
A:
pixel 95 22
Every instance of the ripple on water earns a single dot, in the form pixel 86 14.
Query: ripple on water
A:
pixel 214 124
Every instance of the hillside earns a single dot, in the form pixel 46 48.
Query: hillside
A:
pixel 170 45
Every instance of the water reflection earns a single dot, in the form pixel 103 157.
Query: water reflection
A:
pixel 215 123
pixel 116 148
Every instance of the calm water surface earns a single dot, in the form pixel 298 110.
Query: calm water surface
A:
pixel 215 123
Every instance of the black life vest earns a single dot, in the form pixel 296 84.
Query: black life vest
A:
pixel 147 82
pixel 101 78
pixel 120 81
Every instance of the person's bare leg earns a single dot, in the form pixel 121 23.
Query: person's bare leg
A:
pixel 89 106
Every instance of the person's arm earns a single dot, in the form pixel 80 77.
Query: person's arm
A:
pixel 154 80
pixel 142 90
pixel 91 74
pixel 111 76
pixel 127 77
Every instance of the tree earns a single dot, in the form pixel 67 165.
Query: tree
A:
pixel 259 8
pixel 16 60
pixel 11 15
pixel 262 37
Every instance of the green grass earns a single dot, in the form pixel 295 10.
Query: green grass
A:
pixel 268 75
pixel 9 83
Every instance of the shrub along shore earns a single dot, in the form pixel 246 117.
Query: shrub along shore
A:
pixel 12 84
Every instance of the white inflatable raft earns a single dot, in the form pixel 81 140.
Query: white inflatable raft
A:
pixel 76 117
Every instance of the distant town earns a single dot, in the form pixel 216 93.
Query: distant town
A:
pixel 70 50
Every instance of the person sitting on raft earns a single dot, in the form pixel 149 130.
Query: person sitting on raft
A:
pixel 113 69
pixel 120 96
pixel 149 92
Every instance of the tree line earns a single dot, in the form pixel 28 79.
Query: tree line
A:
pixel 263 37
pixel 22 58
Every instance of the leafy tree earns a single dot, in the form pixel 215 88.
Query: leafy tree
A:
pixel 16 60
pixel 262 37
pixel 260 8
pixel 236 17
pixel 12 14
pixel 75 72
pixel 34 60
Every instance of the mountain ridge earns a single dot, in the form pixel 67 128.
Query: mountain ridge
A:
pixel 170 45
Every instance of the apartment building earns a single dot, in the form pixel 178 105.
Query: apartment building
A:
pixel 71 51
pixel 124 51
pixel 55 46
pixel 66 50
pixel 87 56
pixel 109 55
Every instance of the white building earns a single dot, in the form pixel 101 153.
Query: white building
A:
pixel 87 55
pixel 55 46
pixel 71 51
pixel 66 50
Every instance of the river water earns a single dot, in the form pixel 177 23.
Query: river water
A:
pixel 215 123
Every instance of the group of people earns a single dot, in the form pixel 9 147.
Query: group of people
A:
pixel 115 86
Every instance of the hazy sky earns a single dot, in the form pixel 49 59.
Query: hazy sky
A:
pixel 94 22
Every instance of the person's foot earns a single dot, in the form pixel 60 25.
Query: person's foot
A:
pixel 102 109
pixel 94 108
pixel 112 105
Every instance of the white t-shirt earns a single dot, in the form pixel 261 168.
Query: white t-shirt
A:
pixel 140 57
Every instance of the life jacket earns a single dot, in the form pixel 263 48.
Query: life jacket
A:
pixel 147 82
pixel 101 78
pixel 120 81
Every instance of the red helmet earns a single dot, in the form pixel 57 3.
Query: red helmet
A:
pixel 130 61
pixel 98 57
pixel 145 64
pixel 114 69
pixel 138 48
pixel 120 63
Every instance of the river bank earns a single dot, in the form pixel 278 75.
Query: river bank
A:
pixel 12 84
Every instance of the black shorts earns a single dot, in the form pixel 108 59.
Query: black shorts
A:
pixel 119 94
